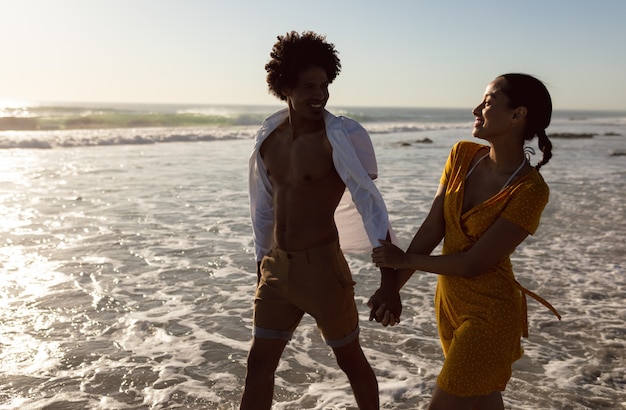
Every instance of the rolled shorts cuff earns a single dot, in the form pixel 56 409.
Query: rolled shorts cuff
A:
pixel 262 333
pixel 344 340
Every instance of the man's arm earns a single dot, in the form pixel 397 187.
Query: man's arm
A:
pixel 386 298
pixel 385 304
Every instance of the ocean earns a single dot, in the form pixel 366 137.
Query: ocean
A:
pixel 127 271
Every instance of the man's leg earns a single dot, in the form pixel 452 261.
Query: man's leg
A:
pixel 362 378
pixel 262 362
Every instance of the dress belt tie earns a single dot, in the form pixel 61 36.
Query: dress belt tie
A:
pixel 525 305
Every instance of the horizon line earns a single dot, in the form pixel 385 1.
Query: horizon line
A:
pixel 14 103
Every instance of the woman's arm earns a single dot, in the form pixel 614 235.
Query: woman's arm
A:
pixel 428 236
pixel 425 240
pixel 498 242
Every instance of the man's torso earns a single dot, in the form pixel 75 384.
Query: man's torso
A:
pixel 306 186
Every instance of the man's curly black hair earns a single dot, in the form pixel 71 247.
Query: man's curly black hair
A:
pixel 294 53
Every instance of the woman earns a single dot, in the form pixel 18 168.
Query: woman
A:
pixel 489 200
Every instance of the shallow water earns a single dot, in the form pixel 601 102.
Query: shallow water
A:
pixel 127 281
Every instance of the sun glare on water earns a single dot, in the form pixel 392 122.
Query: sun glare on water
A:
pixel 25 277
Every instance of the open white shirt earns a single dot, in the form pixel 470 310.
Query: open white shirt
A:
pixel 361 216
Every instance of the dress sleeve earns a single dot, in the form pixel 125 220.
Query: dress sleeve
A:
pixel 447 170
pixel 527 203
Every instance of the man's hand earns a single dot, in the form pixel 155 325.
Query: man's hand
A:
pixel 385 306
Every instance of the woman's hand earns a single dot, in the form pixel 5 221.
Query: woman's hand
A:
pixel 388 255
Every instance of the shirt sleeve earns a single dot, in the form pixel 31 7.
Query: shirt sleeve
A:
pixel 363 146
pixel 355 162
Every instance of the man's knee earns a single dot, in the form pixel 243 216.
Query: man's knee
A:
pixel 264 356
pixel 350 357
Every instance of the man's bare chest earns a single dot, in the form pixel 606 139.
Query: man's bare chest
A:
pixel 301 160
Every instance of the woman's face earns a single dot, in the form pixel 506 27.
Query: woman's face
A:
pixel 493 116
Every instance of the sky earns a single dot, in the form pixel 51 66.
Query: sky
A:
pixel 394 53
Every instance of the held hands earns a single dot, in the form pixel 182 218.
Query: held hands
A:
pixel 388 255
pixel 385 306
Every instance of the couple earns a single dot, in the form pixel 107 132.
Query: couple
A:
pixel 489 200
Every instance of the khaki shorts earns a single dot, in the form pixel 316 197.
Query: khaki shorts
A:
pixel 316 281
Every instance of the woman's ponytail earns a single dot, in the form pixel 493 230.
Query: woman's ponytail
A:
pixel 524 90
pixel 545 146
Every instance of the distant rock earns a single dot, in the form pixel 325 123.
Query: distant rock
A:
pixel 570 135
pixel 618 153
pixel 408 144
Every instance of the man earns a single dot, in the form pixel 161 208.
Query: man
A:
pixel 303 160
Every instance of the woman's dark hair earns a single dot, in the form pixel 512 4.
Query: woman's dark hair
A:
pixel 294 53
pixel 524 90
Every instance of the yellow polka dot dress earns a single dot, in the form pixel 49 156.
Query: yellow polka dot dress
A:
pixel 481 319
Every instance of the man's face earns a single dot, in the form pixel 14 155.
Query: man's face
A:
pixel 309 96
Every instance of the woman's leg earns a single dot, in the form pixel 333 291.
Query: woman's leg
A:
pixel 446 401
